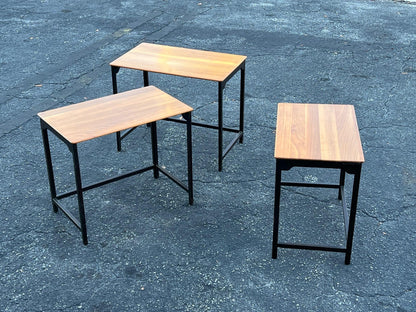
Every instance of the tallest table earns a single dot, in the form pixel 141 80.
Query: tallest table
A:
pixel 206 65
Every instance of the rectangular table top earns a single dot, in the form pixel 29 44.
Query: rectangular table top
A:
pixel 320 132
pixel 91 119
pixel 214 66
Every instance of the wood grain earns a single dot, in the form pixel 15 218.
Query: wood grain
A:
pixel 177 61
pixel 323 132
pixel 109 114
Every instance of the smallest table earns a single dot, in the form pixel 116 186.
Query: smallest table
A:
pixel 84 121
pixel 322 136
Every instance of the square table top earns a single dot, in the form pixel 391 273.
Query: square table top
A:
pixel 191 63
pixel 318 132
pixel 94 118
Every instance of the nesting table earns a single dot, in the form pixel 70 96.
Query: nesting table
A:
pixel 85 121
pixel 191 63
pixel 321 136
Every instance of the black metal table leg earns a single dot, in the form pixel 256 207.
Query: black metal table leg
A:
pixel 341 183
pixel 145 78
pixel 114 71
pixel 49 167
pixel 118 138
pixel 221 86
pixel 77 171
pixel 146 84
pixel 154 150
pixel 242 91
pixel 353 212
pixel 276 209
pixel 188 118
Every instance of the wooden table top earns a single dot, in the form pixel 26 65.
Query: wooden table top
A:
pixel 91 119
pixel 321 132
pixel 184 62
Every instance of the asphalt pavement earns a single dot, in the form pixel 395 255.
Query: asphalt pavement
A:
pixel 149 250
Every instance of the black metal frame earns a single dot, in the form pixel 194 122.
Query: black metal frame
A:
pixel 80 189
pixel 350 168
pixel 221 86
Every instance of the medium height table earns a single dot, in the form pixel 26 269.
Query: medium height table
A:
pixel 85 121
pixel 206 65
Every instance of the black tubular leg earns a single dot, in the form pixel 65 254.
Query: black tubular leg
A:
pixel 78 183
pixel 276 210
pixel 49 166
pixel 114 71
pixel 118 138
pixel 221 86
pixel 145 78
pixel 188 118
pixel 242 87
pixel 353 213
pixel 146 83
pixel 341 182
pixel 154 150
